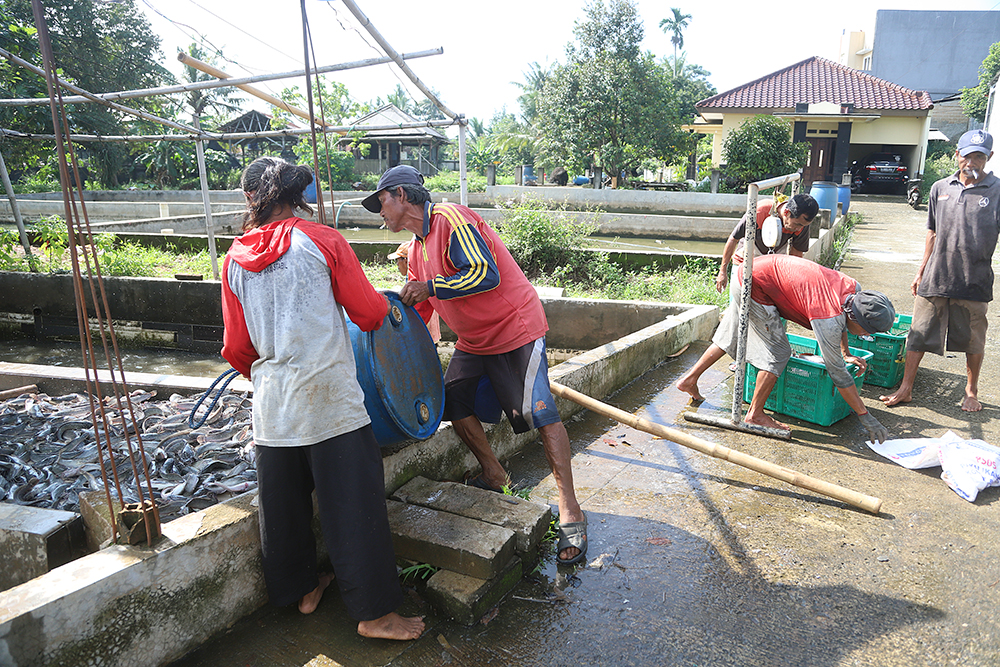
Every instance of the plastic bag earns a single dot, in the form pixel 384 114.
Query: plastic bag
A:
pixel 911 453
pixel 969 466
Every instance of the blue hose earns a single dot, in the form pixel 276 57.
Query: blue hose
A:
pixel 232 373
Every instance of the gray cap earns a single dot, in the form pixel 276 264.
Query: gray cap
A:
pixel 393 176
pixel 873 311
pixel 975 141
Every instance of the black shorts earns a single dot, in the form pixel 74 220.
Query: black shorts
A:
pixel 516 382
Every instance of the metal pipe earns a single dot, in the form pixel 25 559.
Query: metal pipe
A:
pixel 222 83
pixel 396 58
pixel 463 184
pixel 93 98
pixel 203 178
pixel 15 134
pixel 17 213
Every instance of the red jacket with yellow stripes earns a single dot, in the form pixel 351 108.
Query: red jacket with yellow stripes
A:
pixel 458 254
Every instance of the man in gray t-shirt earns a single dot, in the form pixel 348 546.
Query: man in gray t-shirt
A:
pixel 954 283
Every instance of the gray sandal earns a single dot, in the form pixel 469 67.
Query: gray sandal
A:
pixel 573 534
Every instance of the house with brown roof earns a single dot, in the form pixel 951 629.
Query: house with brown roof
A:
pixel 843 113
pixel 419 147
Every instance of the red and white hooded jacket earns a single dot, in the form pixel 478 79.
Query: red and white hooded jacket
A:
pixel 285 288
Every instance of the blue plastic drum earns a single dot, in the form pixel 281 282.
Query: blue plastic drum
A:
pixel 400 374
pixel 825 194
pixel 844 198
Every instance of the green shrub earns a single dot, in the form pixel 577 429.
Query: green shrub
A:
pixel 447 181
pixel 935 169
pixel 546 241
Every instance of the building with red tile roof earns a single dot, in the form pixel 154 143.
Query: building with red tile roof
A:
pixel 842 112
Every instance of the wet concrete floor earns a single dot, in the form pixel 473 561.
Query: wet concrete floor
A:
pixel 696 561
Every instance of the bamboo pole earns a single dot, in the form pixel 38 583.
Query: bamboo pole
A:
pixel 17 391
pixel 853 498
pixel 281 104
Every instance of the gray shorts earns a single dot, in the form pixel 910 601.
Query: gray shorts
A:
pixel 768 348
pixel 940 322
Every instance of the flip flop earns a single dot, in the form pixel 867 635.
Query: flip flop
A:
pixel 573 534
pixel 480 483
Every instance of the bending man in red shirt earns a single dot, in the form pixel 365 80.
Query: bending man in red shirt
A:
pixel 460 268
pixel 829 302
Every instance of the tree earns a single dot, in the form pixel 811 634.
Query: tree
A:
pixel 101 47
pixel 974 100
pixel 531 89
pixel 761 148
pixel 611 105
pixel 674 27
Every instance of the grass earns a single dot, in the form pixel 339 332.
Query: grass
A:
pixel 835 255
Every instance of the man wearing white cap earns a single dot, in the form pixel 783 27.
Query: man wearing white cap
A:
pixel 954 282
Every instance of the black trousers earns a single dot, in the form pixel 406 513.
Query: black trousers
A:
pixel 346 473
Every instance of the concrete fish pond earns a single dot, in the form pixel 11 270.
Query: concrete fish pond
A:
pixel 127 605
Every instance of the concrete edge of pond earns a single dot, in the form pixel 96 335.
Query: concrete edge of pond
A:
pixel 130 605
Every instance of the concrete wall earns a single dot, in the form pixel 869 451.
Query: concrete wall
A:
pixel 182 305
pixel 673 215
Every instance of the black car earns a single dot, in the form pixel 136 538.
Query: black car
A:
pixel 879 172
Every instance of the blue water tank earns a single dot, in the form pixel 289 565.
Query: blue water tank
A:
pixel 581 180
pixel 310 192
pixel 844 198
pixel 528 172
pixel 825 194
pixel 400 374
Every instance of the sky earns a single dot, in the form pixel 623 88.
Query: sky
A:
pixel 490 46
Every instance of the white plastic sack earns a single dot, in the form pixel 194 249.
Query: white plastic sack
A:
pixel 911 453
pixel 969 466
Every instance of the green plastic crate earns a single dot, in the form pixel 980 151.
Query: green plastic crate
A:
pixel 805 390
pixel 886 367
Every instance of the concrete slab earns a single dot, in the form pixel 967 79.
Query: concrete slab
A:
pixel 449 541
pixel 139 606
pixel 465 599
pixel 529 521
pixel 34 540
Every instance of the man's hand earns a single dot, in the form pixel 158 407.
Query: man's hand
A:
pixel 414 292
pixel 876 432
pixel 721 280
pixel 860 363
pixel 915 284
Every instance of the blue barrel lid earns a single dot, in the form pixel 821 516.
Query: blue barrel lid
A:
pixel 405 369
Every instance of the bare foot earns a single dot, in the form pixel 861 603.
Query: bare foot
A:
pixel 901 395
pixel 310 601
pixel 766 421
pixel 971 404
pixel 690 386
pixel 392 626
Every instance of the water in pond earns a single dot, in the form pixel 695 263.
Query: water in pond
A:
pixel 605 242
pixel 139 360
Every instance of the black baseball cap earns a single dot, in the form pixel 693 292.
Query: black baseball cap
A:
pixel 401 174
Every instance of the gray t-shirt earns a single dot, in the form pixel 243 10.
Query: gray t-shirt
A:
pixel 966 221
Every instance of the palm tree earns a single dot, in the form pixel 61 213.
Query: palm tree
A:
pixel 673 27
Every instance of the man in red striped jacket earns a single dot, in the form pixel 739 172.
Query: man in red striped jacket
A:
pixel 460 268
